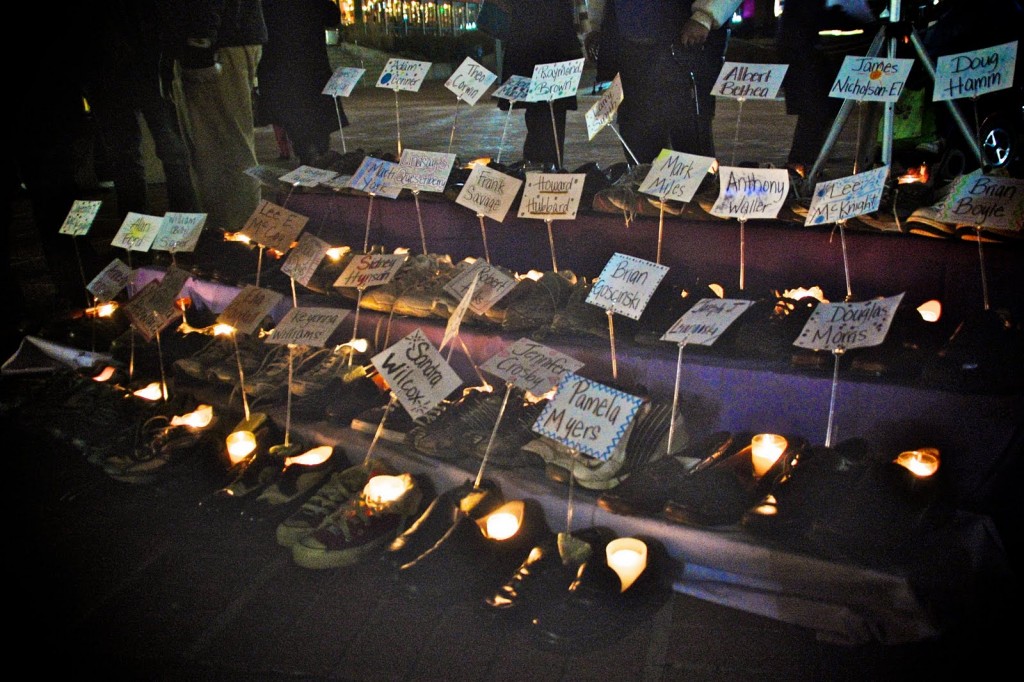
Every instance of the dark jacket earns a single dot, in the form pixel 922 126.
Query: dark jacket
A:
pixel 224 23
pixel 540 32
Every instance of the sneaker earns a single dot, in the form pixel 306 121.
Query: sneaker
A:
pixel 271 377
pixel 477 410
pixel 516 430
pixel 357 528
pixel 303 472
pixel 532 304
pixel 414 271
pixel 249 353
pixel 397 425
pixel 579 318
pixel 925 222
pixel 318 370
pixel 162 448
pixel 423 299
pixel 196 365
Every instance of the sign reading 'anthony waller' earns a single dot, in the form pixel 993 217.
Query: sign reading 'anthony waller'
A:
pixel 423 171
pixel 603 111
pixel 80 218
pixel 834 326
pixel 489 192
pixel 403 74
pixel 308 176
pixel 110 281
pixel 986 201
pixel 307 326
pixel 555 80
pixel 706 321
pixel 416 373
pixel 470 81
pixel 179 232
pixel 970 74
pixel 626 285
pixel 845 198
pixel 305 258
pixel 491 285
pixel 249 308
pixel 749 81
pixel 343 81
pixel 871 79
pixel 274 226
pixel 137 232
pixel 587 416
pixel 676 175
pixel 746 193
pixel 370 270
pixel 552 196
pixel 531 366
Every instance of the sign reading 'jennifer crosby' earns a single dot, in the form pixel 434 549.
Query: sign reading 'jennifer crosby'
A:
pixel 531 366
pixel 417 374
pixel 706 321
pixel 842 326
pixel 626 285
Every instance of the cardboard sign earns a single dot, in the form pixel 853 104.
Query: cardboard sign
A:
pixel 706 320
pixel 514 89
pixel 179 232
pixel 248 308
pixel 834 326
pixel 343 81
pixel 155 306
pixel 489 192
pixel 491 285
pixel 416 373
pixel 403 74
pixel 470 81
pixel 626 285
pixel 970 74
pixel 451 328
pixel 979 199
pixel 372 177
pixel 307 326
pixel 422 171
pixel 603 111
pixel 845 198
pixel 676 175
pixel 746 193
pixel 749 81
pixel 531 366
pixel 137 232
pixel 871 79
pixel 587 416
pixel 80 218
pixel 110 281
pixel 370 270
pixel 551 196
pixel 274 226
pixel 555 80
pixel 308 176
pixel 305 258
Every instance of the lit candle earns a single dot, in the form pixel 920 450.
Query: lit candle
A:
pixel 197 419
pixel 628 558
pixel 310 458
pixel 765 450
pixel 151 392
pixel 382 488
pixel 240 445
pixel 504 522
pixel 922 463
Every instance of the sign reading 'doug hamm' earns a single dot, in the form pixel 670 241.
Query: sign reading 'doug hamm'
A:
pixel 80 218
pixel 305 258
pixel 274 226
pixel 676 175
pixel 746 193
pixel 311 326
pixel 626 285
pixel 531 366
pixel 179 232
pixel 845 198
pixel 370 270
pixel 846 325
pixel 470 81
pixel 249 308
pixel 416 373
pixel 706 321
pixel 970 74
pixel 489 192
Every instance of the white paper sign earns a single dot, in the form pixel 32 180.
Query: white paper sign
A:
pixel 746 193
pixel 370 270
pixel 403 74
pixel 305 258
pixel 110 281
pixel 451 329
pixel 155 305
pixel 489 192
pixel 845 198
pixel 470 81
pixel 531 366
pixel 988 201
pixel 265 175
pixel 587 416
pixel 871 79
pixel 626 285
pixel 80 218
pixel 555 80
pixel 676 175
pixel 179 232
pixel 749 81
pixel 491 285
pixel 307 326
pixel 343 81
pixel 274 226
pixel 552 196
pixel 834 326
pixel 515 89
pixel 372 177
pixel 603 111
pixel 308 176
pixel 137 232
pixel 970 74
pixel 706 321
pixel 248 308
pixel 416 373
pixel 422 171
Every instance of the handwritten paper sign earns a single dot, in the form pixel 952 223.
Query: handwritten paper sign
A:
pixel 489 192
pixel 970 74
pixel 491 285
pixel 746 193
pixel 403 74
pixel 249 308
pixel 305 258
pixel 416 373
pixel 155 306
pixel 603 111
pixel 80 218
pixel 110 281
pixel 274 226
pixel 835 326
pixel 749 81
pixel 531 366
pixel 676 175
pixel 871 79
pixel 626 285
pixel 845 198
pixel 343 81
pixel 706 321
pixel 265 175
pixel 555 80
pixel 308 176
pixel 587 416
pixel 372 177
pixel 451 329
pixel 179 232
pixel 514 89
pixel 370 270
pixel 307 326
pixel 137 232
pixel 988 201
pixel 422 171
pixel 552 196
pixel 470 81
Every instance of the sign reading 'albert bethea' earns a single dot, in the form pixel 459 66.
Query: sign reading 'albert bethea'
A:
pixel 749 81
pixel 417 374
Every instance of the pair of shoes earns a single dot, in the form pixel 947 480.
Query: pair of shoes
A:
pixel 164 444
pixel 425 298
pixel 303 472
pixel 414 272
pixel 393 421
pixel 514 431
pixel 271 377
pixel 534 300
pixel 476 410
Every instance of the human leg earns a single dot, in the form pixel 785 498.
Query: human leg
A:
pixel 541 145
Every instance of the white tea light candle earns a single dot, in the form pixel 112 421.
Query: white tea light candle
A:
pixel 765 450
pixel 628 558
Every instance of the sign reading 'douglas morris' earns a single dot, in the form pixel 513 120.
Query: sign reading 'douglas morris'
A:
pixel 249 308
pixel 308 176
pixel 531 366
pixel 871 79
pixel 746 193
pixel 307 326
pixel 489 192
pixel 603 111
pixel 370 270
pixel 422 171
pixel 514 89
pixel 470 81
pixel 373 177
pixel 970 74
pixel 137 232
pixel 676 175
pixel 80 218
pixel 343 81
pixel 155 305
pixel 403 74
pixel 417 374
pixel 986 201
pixel 845 198
pixel 749 81
pixel 842 326
pixel 179 232
pixel 587 416
pixel 110 281
pixel 555 80
pixel 305 258
pixel 626 285
pixel 274 226
pixel 491 285
pixel 703 323
pixel 552 196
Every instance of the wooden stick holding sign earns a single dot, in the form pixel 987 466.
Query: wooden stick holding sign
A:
pixel 402 74
pixel 514 90
pixel 423 171
pixel 674 176
pixel 555 81
pixel 77 223
pixel 547 196
pixel 340 84
pixel 372 177
pixel 740 81
pixel 490 193
pixel 272 226
pixel 468 82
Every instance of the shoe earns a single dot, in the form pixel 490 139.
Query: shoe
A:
pixel 250 476
pixel 416 270
pixel 515 431
pixel 322 367
pixel 196 365
pixel 532 303
pixel 270 379
pixel 477 410
pixel 398 424
pixel 925 222
pixel 249 353
pixel 303 472
pixel 425 298
pixel 163 446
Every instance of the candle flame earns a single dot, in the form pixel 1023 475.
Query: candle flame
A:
pixel 930 311
pixel 151 391
pixel 310 458
pixel 197 419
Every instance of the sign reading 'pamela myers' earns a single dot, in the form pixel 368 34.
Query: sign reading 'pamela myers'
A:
pixel 403 74
pixel 531 366
pixel 489 192
pixel 343 81
pixel 423 171
pixel 986 201
pixel 745 193
pixel 80 218
pixel 470 81
pixel 249 308
pixel 370 270
pixel 179 232
pixel 552 196
pixel 555 80
pixel 305 258
pixel 274 226
pixel 491 285
pixel 846 325
pixel 703 323
pixel 587 416
pixel 308 176
pixel 749 81
pixel 110 281
pixel 307 326
pixel 676 175
pixel 626 285
pixel 416 373
pixel 871 79
pixel 137 232
pixel 845 198
pixel 514 89
pixel 970 74
pixel 603 111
